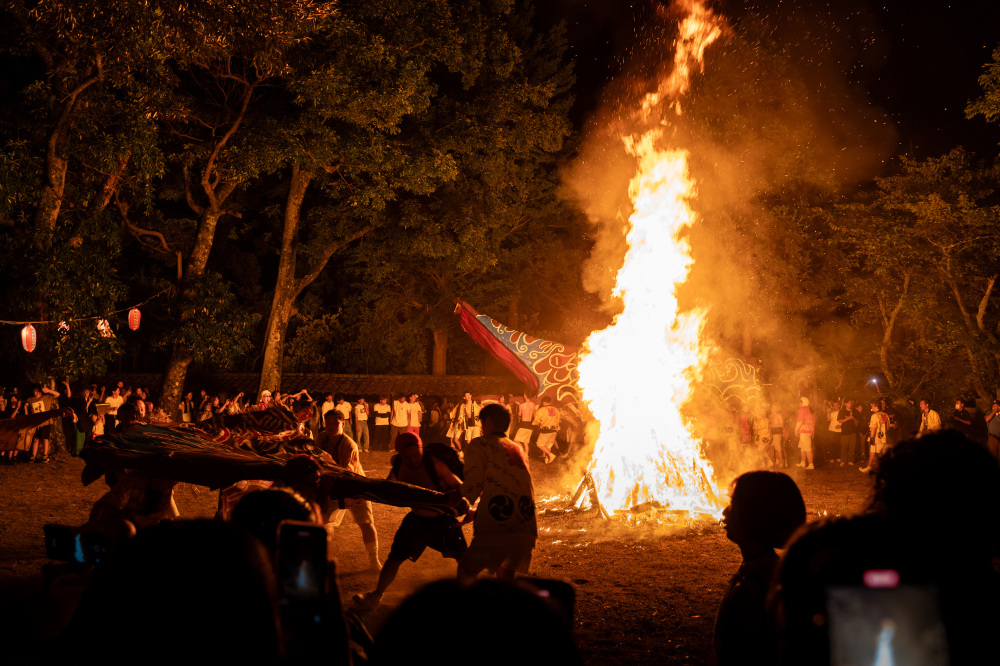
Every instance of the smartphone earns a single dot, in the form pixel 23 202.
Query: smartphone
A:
pixel 885 621
pixel 67 544
pixel 302 567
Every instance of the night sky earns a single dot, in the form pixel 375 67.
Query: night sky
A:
pixel 918 62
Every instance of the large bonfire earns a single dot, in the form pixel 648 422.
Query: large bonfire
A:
pixel 637 375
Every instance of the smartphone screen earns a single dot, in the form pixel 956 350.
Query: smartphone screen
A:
pixel 302 570
pixel 66 544
pixel 899 625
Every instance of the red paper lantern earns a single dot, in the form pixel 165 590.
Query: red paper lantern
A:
pixel 133 319
pixel 29 338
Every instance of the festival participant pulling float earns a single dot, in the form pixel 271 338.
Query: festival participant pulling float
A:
pixel 230 450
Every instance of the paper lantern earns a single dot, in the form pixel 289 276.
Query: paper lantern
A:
pixel 29 338
pixel 133 319
pixel 63 328
pixel 104 327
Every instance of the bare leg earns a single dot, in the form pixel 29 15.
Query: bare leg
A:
pixel 385 578
pixel 370 536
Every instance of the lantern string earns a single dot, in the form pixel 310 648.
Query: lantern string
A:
pixel 59 321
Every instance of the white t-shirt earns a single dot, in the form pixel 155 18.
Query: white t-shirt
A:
pixel 324 408
pixel 360 413
pixel 382 413
pixel 835 425
pixel 416 411
pixel 345 409
pixel 400 413
pixel 114 402
pixel 875 423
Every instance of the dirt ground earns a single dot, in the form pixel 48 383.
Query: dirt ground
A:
pixel 643 595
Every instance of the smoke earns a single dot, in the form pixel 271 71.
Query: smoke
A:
pixel 776 123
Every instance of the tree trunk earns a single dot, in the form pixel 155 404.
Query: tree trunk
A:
pixel 173 380
pixel 439 364
pixel 180 356
pixel 50 202
pixel 514 311
pixel 274 340
pixel 198 258
pixel 286 288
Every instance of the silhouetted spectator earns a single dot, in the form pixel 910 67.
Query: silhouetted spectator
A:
pixel 934 527
pixel 765 509
pixel 260 512
pixel 187 591
pixel 489 623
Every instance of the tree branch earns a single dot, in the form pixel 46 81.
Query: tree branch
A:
pixel 981 312
pixel 189 194
pixel 317 267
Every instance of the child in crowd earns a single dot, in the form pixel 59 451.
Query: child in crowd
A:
pixel 765 509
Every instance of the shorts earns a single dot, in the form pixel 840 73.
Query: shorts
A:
pixel 805 441
pixel 878 447
pixel 491 555
pixel 43 432
pixel 361 511
pixel 523 435
pixel 545 440
pixel 416 533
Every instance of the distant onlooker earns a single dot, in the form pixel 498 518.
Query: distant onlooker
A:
pixel 805 427
pixel 961 420
pixel 930 420
pixel 848 433
pixel 547 419
pixel 878 434
pixel 327 405
pixel 381 427
pixel 400 418
pixel 343 407
pixel 765 509
pixel 43 400
pixel 416 414
pixel 361 413
pixel 993 429
pixel 187 408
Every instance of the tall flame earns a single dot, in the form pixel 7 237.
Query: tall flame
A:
pixel 636 375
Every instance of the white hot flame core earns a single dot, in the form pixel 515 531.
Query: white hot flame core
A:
pixel 636 375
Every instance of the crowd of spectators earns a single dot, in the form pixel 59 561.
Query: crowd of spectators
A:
pixel 909 581
pixel 836 432
pixel 259 585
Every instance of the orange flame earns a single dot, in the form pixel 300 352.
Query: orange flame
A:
pixel 636 375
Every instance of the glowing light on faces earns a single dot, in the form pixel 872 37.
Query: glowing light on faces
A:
pixel 636 375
